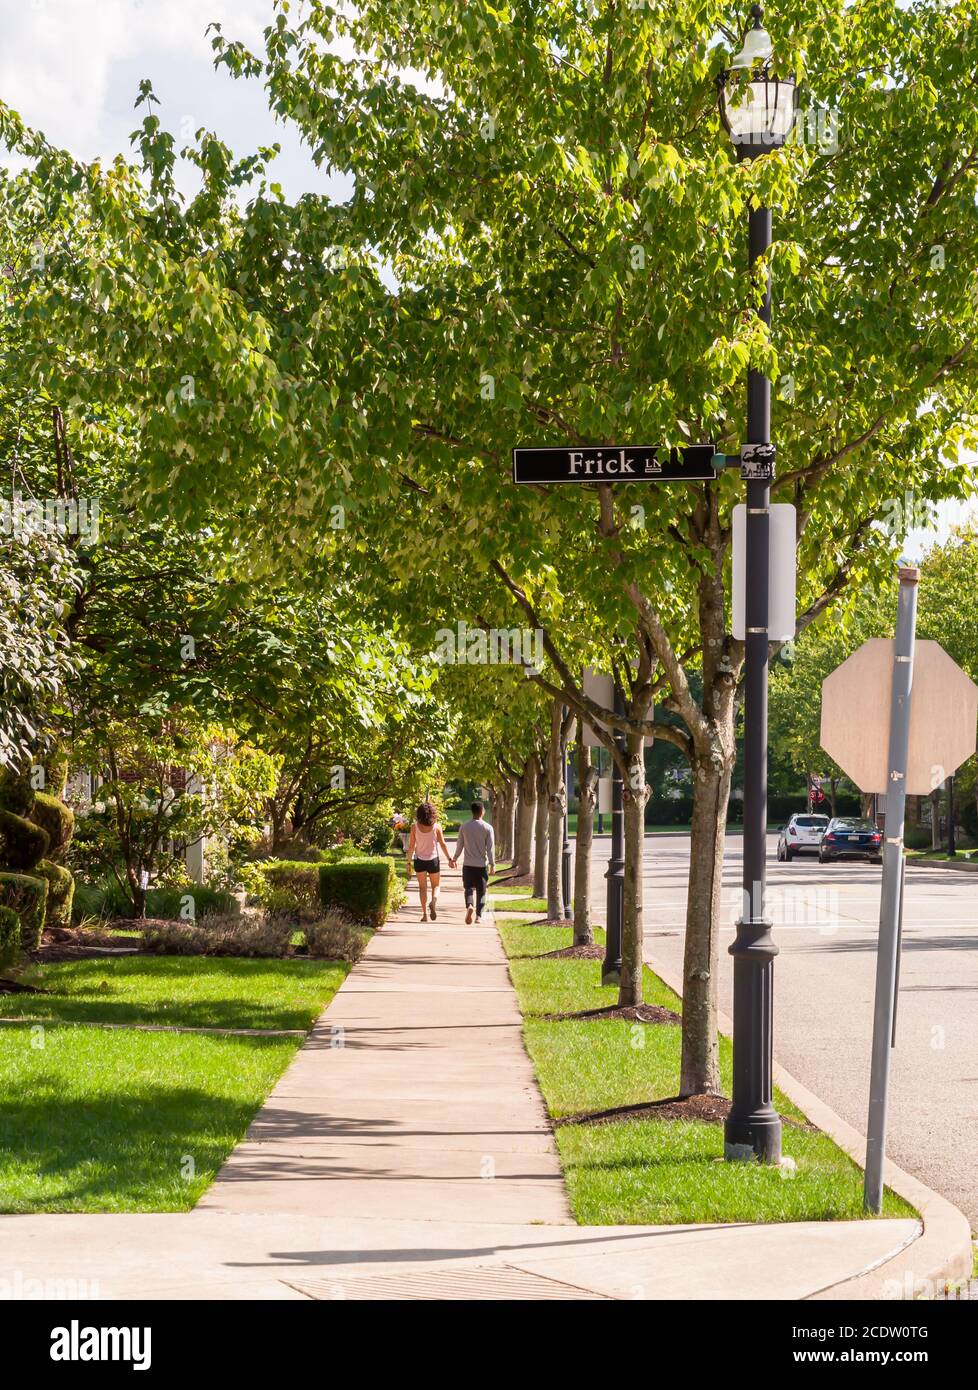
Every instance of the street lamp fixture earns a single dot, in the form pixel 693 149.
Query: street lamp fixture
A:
pixel 757 109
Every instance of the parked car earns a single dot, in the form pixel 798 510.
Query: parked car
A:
pixel 802 835
pixel 849 838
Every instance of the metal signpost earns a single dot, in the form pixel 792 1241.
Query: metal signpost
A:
pixel 884 1007
pixel 895 716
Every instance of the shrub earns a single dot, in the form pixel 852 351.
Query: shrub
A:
pixel 61 890
pixel 16 792
pixel 173 904
pixel 57 820
pixel 969 818
pixel 289 886
pixel 335 937
pixel 87 901
pixel 337 854
pixel 222 935
pixel 9 937
pixel 360 887
pixel 22 843
pixel 916 836
pixel 378 839
pixel 27 896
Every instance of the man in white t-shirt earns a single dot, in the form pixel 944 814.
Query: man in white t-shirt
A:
pixel 477 847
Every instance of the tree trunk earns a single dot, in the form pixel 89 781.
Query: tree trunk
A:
pixel 833 794
pixel 700 1065
pixel 523 847
pixel 540 834
pixel 557 909
pixel 587 796
pixel 500 798
pixel 634 796
pixel 935 819
pixel 511 808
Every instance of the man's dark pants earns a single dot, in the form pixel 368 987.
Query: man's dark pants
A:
pixel 474 881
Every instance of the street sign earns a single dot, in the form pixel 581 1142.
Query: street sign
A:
pixel 757 463
pixel 781 572
pixel 614 463
pixel 856 716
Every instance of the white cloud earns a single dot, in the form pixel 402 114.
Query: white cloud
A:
pixel 72 68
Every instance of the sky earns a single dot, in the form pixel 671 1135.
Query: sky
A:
pixel 72 68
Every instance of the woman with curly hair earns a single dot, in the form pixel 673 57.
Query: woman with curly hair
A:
pixel 426 836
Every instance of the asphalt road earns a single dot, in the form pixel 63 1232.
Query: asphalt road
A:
pixel 826 922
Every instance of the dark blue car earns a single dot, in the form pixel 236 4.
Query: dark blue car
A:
pixel 848 838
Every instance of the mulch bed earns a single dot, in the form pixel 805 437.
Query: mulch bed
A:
pixel 565 952
pixel 77 943
pixel 511 881
pixel 706 1109
pixel 635 1013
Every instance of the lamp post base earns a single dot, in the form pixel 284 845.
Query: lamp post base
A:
pixel 753 1137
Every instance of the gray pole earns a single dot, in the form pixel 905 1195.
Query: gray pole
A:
pixel 615 876
pixel 952 839
pixel 753 1127
pixel 886 955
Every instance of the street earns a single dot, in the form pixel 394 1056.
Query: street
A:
pixel 826 921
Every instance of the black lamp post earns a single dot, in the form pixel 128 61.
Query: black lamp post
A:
pixel 758 112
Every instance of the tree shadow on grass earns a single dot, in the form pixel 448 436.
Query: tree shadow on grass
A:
pixel 66 1144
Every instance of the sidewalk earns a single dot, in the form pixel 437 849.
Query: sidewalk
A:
pixel 412 1096
pixel 406 1154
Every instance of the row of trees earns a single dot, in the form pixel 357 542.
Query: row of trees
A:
pixel 544 242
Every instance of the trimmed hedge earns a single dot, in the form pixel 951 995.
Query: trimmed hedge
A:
pixel 290 884
pixel 359 887
pixel 22 843
pixel 9 937
pixel 16 792
pixel 163 902
pixel 27 896
pixel 61 890
pixel 57 820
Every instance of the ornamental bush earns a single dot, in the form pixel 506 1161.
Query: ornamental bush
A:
pixel 359 887
pixel 57 820
pixel 22 843
pixel 289 886
pixel 335 937
pixel 61 890
pixel 9 937
pixel 27 896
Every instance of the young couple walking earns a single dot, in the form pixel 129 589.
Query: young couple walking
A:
pixel 476 845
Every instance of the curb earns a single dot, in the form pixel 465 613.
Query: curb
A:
pixel 958 866
pixel 941 1253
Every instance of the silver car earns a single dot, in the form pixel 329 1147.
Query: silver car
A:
pixel 802 835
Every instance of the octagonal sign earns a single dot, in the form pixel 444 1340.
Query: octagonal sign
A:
pixel 856 701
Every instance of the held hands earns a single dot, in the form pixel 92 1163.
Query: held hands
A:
pixel 453 862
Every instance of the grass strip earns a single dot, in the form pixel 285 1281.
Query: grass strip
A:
pixel 652 1171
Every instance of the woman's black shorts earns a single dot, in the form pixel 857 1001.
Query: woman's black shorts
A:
pixel 426 866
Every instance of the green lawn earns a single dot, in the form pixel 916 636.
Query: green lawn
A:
pixel 194 991
pixel 655 1171
pixel 99 1120
pixel 518 904
pixel 95 1119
